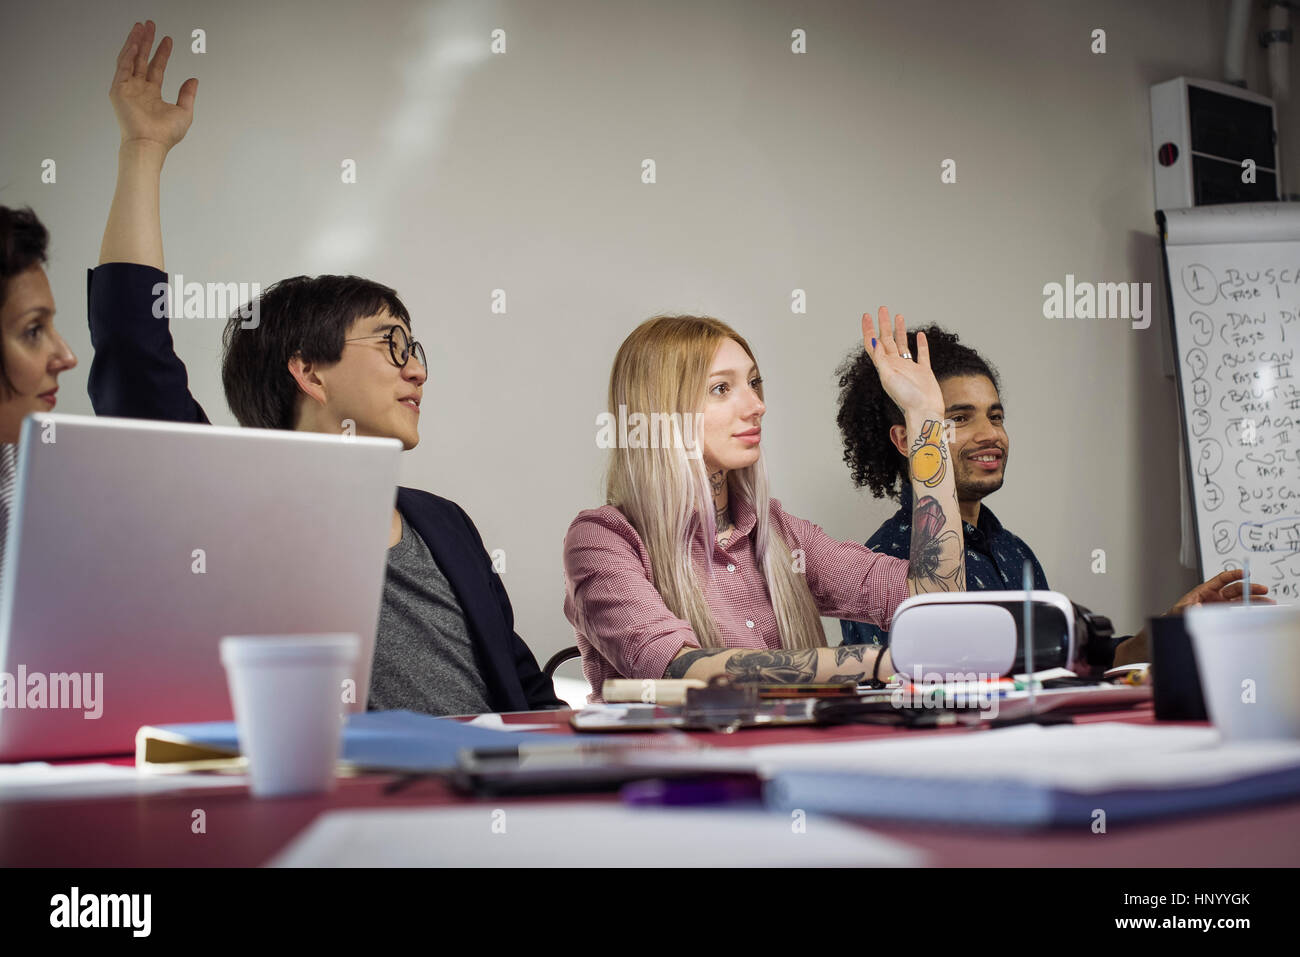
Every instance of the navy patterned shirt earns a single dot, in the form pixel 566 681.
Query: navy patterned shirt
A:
pixel 994 560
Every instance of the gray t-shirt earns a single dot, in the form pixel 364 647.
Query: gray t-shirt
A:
pixel 424 659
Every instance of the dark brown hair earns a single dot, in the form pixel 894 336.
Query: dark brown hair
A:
pixel 23 241
pixel 301 315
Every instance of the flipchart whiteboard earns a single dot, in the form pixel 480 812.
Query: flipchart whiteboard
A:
pixel 1233 276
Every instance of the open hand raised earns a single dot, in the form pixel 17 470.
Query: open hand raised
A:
pixel 142 113
pixel 911 384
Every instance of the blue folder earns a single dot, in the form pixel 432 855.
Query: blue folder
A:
pixel 1007 803
pixel 392 740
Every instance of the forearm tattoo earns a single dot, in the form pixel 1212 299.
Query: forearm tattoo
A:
pixel 937 557
pixel 678 667
pixel 850 653
pixel 775 667
pixel 929 458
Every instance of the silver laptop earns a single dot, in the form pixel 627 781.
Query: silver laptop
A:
pixel 134 546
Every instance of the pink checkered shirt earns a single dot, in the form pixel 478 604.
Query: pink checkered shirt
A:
pixel 625 630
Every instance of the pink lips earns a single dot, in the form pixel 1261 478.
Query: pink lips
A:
pixel 48 397
pixel 750 438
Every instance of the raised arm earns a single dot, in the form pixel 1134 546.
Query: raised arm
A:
pixel 937 557
pixel 135 372
pixel 150 128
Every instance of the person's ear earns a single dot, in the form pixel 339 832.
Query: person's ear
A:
pixel 898 435
pixel 307 377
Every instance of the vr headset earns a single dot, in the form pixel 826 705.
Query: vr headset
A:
pixel 984 633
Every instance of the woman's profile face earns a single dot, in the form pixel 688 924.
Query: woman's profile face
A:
pixel 34 353
pixel 733 409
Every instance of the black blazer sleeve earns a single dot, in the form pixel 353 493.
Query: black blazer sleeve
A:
pixel 135 372
pixel 538 688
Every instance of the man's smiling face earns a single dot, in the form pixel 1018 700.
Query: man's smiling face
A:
pixel 979 443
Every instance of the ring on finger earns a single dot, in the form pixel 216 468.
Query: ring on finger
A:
pixel 907 355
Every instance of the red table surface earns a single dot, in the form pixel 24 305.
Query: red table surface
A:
pixel 155 830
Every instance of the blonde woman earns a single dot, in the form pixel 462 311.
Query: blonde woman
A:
pixel 692 570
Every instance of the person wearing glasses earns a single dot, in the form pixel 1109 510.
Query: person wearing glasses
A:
pixel 331 354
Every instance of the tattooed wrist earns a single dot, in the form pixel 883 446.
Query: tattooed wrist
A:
pixel 929 455
pixel 851 653
pixel 678 667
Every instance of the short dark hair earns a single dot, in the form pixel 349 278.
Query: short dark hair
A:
pixel 307 315
pixel 23 242
pixel 867 412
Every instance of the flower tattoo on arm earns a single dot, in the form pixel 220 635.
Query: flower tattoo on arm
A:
pixel 937 562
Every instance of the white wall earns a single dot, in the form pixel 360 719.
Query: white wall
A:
pixel 1256 70
pixel 775 171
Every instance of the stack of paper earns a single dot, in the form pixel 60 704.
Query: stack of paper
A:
pixel 1032 776
pixel 39 781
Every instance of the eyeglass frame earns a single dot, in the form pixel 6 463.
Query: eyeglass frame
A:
pixel 412 346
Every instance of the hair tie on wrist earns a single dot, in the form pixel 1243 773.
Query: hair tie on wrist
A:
pixel 875 668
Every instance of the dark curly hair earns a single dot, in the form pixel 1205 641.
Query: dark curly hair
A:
pixel 866 410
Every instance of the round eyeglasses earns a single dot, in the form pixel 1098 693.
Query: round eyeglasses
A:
pixel 400 346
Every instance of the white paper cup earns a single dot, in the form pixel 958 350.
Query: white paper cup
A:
pixel 1249 661
pixel 288 701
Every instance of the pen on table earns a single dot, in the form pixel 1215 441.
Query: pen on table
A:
pixel 1028 581
pixel 711 789
pixel 405 779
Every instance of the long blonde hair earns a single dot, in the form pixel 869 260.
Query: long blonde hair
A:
pixel 663 491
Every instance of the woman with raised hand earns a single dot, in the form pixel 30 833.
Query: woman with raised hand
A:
pixel 32 353
pixel 691 570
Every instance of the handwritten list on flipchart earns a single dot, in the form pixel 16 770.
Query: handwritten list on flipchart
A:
pixel 1237 324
